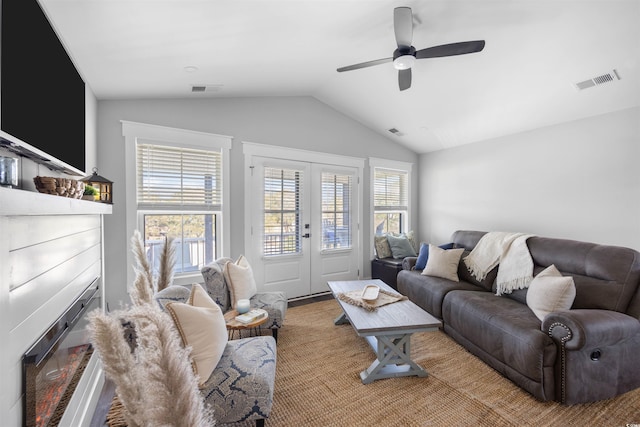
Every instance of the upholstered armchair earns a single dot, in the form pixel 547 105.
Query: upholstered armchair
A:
pixel 275 303
pixel 240 388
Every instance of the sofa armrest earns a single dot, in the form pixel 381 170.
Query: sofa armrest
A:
pixel 597 357
pixel 577 329
pixel 409 262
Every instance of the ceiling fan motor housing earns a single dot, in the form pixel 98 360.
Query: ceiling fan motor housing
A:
pixel 404 57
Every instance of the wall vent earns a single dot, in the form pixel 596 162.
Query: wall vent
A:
pixel 396 132
pixel 599 80
pixel 205 88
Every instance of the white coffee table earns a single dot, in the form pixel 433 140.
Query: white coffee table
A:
pixel 388 330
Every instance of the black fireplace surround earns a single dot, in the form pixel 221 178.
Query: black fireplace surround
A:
pixel 52 367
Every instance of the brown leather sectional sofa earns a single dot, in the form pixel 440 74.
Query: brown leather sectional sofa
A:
pixel 588 353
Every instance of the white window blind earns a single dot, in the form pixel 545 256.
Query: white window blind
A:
pixel 282 227
pixel 336 210
pixel 390 190
pixel 170 177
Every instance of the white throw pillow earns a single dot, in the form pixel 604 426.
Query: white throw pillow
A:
pixel 550 291
pixel 443 263
pixel 240 280
pixel 383 250
pixel 201 325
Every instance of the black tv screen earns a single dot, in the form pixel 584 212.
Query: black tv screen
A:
pixel 42 93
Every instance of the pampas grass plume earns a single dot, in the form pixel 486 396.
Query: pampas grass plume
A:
pixel 156 383
pixel 167 261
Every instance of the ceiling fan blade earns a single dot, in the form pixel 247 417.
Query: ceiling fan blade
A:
pixel 403 26
pixel 364 64
pixel 452 49
pixel 404 79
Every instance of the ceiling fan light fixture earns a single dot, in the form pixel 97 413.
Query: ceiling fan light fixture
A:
pixel 404 62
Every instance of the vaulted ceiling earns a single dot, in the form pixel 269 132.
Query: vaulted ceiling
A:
pixel 536 50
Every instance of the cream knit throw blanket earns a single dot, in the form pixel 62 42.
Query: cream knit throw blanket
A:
pixel 511 252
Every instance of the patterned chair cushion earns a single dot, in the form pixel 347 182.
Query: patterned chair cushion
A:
pixel 275 303
pixel 241 385
pixel 215 284
pixel 174 293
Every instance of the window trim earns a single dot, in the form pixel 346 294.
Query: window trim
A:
pixel 132 131
pixel 377 163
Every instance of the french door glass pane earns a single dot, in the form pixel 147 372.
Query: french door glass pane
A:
pixel 336 211
pixel 282 213
pixel 194 239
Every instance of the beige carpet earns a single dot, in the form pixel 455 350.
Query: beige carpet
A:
pixel 318 383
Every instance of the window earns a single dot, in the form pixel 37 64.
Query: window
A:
pixel 179 196
pixel 281 211
pixel 390 188
pixel 336 211
pixel 181 182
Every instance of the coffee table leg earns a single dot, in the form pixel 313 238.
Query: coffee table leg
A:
pixel 393 359
pixel 341 320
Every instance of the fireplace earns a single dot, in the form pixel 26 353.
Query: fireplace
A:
pixel 55 363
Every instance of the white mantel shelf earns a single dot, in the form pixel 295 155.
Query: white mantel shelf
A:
pixel 21 202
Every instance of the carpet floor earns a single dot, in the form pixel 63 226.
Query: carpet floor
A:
pixel 318 383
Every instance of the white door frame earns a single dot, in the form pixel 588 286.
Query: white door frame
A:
pixel 251 149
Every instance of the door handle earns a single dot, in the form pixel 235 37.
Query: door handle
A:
pixel 306 236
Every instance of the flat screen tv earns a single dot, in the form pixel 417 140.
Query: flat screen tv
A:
pixel 42 93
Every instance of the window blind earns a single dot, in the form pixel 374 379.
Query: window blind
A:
pixel 281 211
pixel 336 211
pixel 171 177
pixel 390 191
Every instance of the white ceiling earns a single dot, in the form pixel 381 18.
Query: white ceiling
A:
pixel 535 50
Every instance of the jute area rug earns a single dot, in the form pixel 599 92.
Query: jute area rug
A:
pixel 318 383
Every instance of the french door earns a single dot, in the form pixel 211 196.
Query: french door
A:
pixel 304 225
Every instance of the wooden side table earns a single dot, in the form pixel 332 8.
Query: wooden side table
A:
pixel 233 325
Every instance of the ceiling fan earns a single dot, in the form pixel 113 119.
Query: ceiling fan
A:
pixel 405 55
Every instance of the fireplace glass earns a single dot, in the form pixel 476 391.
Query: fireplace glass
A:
pixel 54 364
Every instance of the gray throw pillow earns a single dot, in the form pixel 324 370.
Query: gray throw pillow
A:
pixel 400 247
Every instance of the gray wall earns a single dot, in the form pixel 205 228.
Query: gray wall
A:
pixel 299 122
pixel 578 180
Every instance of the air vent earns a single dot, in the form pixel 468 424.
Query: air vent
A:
pixel 396 132
pixel 205 88
pixel 599 80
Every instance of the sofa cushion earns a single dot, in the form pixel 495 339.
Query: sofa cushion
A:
pixel 240 280
pixel 443 263
pixel 550 291
pixel 505 329
pixel 486 283
pixel 400 246
pixel 201 325
pixel 606 277
pixel 428 292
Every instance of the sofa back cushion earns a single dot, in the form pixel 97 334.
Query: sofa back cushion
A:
pixel 466 238
pixel 464 274
pixel 606 277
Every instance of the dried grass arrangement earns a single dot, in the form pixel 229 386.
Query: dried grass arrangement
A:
pixel 155 381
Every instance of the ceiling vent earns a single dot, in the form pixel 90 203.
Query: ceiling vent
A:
pixel 205 88
pixel 599 80
pixel 396 132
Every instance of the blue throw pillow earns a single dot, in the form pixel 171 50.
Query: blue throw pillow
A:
pixel 423 256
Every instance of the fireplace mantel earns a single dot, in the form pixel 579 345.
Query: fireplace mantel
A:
pixel 51 249
pixel 21 202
